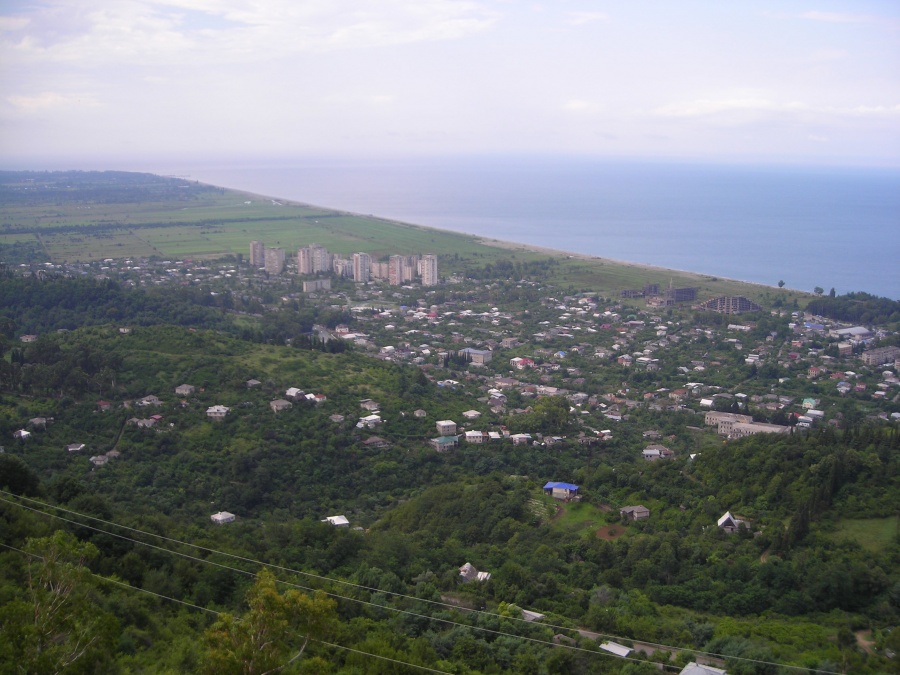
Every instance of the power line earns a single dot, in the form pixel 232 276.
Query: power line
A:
pixel 332 594
pixel 217 613
pixel 367 588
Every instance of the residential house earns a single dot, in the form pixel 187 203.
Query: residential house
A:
pixel 469 573
pixel 694 668
pixel 521 439
pixel 654 452
pixel 294 393
pixel 471 414
pixel 21 435
pixel 217 412
pixel 444 443
pixel 731 524
pixel 376 442
pixel 185 389
pixel 99 460
pixel 149 400
pixel 222 517
pixel 634 512
pixel 279 404
pixel 368 404
pixel 562 491
pixel 446 427
pixel 250 384
pixel 75 447
pixel 337 521
pixel 475 436
pixel 420 413
pixel 104 406
pixel 521 362
pixel 369 421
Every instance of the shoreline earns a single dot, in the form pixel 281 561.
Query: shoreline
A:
pixel 514 245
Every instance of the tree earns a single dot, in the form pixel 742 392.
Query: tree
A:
pixel 57 626
pixel 818 290
pixel 781 284
pixel 265 637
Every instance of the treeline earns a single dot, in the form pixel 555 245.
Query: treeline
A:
pixel 28 188
pixel 38 306
pixel 857 308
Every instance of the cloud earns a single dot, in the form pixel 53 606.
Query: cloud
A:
pixel 172 32
pixel 50 99
pixel 582 18
pixel 712 107
pixel 577 105
pixel 13 22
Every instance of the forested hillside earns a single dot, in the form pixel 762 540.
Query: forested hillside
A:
pixel 113 564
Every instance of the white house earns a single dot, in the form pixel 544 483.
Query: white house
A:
pixel 337 521
pixel 446 427
pixel 222 517
pixel 217 412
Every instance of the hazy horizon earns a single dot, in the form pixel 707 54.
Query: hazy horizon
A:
pixel 101 84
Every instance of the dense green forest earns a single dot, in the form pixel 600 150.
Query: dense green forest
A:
pixel 857 308
pixel 118 568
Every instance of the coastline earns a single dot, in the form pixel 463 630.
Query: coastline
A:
pixel 514 245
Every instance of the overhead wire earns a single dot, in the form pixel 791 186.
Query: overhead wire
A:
pixel 660 646
pixel 217 613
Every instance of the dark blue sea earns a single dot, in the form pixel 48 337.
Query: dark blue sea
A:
pixel 828 227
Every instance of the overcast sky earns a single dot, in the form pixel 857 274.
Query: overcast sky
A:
pixel 84 82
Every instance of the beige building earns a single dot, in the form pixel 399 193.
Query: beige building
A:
pixel 429 268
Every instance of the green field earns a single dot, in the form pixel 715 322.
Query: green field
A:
pixel 135 215
pixel 873 534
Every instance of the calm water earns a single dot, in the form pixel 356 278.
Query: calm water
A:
pixel 808 226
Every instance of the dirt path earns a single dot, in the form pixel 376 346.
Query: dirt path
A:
pixel 864 641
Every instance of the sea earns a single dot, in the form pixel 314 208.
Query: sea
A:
pixel 810 227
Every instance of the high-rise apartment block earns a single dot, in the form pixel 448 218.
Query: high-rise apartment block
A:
pixel 361 273
pixel 257 254
pixel 274 260
pixel 429 270
pixel 313 259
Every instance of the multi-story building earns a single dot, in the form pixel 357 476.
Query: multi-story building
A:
pixel 257 253
pixel 313 259
pixel 396 270
pixel 361 272
pixel 274 260
pixel 881 356
pixel 342 267
pixel 429 268
pixel 727 304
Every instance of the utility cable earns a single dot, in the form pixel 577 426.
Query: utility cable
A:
pixel 660 646
pixel 217 613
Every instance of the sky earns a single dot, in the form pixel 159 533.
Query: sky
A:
pixel 115 83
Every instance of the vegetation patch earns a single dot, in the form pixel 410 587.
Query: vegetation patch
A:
pixel 873 534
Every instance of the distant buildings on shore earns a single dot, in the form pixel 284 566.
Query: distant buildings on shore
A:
pixel 315 259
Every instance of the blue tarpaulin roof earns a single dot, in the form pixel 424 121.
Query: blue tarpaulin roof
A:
pixel 561 486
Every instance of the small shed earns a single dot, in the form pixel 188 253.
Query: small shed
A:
pixel 615 648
